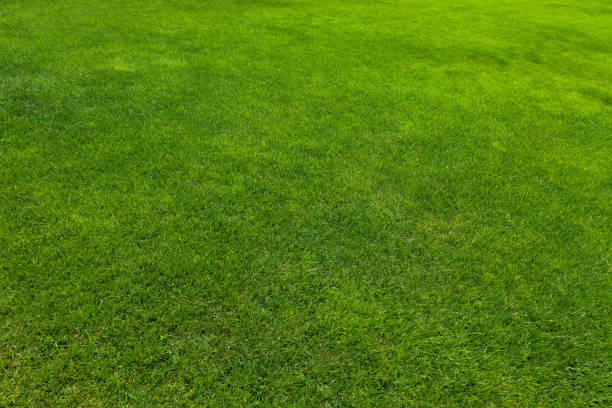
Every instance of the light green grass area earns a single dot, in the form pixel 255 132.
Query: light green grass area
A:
pixel 306 203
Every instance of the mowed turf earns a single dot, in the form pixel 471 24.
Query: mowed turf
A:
pixel 305 203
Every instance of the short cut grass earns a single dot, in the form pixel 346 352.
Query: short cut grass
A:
pixel 305 203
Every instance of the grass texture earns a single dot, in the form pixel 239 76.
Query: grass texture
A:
pixel 306 203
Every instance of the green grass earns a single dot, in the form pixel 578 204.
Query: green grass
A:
pixel 306 203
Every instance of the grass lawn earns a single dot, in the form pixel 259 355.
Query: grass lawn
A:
pixel 306 203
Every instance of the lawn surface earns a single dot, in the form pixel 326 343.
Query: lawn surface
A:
pixel 305 203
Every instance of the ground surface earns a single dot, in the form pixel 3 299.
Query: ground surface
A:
pixel 305 203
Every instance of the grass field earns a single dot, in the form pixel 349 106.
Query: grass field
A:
pixel 306 203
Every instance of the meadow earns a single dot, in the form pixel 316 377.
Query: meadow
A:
pixel 306 203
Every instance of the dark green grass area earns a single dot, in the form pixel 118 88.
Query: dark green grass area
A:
pixel 306 203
